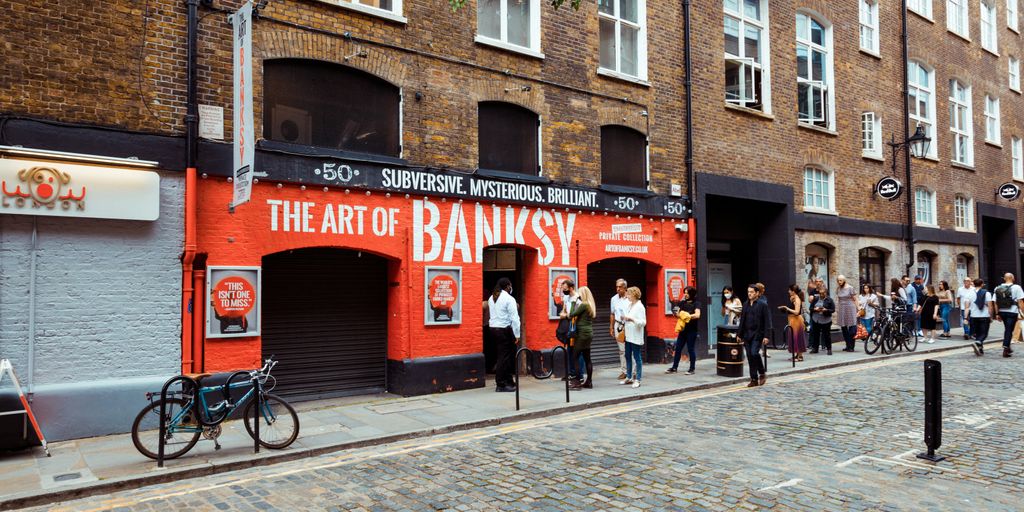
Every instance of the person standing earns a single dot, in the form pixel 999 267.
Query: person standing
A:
pixel 983 310
pixel 635 318
pixel 867 305
pixel 616 323
pixel 821 308
pixel 919 294
pixel 732 306
pixel 569 300
pixel 798 330
pixel 505 329
pixel 687 337
pixel 753 332
pixel 582 312
pixel 846 310
pixel 963 302
pixel 1010 300
pixel 945 306
pixel 930 314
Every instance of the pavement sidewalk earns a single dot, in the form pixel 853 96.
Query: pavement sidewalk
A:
pixel 91 466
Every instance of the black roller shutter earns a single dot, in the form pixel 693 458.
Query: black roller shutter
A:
pixel 601 277
pixel 325 320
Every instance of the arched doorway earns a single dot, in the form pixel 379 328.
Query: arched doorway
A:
pixel 601 277
pixel 325 319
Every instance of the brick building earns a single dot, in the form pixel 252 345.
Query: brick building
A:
pixel 790 139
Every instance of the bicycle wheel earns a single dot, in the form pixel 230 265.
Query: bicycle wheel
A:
pixel 280 424
pixel 874 341
pixel 146 430
pixel 890 338
pixel 911 340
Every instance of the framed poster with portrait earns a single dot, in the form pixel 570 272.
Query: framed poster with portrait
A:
pixel 556 276
pixel 233 302
pixel 675 283
pixel 816 264
pixel 442 304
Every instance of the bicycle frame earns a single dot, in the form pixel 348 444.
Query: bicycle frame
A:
pixel 202 407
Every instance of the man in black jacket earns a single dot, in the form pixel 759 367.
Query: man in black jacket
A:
pixel 753 331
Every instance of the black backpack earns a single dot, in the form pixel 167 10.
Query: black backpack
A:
pixel 562 331
pixel 1004 296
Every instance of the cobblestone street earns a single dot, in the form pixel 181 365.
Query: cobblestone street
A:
pixel 841 439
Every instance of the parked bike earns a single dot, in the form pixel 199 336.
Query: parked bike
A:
pixel 893 329
pixel 195 411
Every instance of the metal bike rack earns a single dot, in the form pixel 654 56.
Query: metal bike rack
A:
pixel 547 375
pixel 163 413
pixel 790 343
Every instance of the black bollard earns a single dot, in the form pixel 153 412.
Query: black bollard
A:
pixel 932 410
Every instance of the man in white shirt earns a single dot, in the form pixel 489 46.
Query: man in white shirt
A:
pixel 983 309
pixel 505 329
pixel 616 323
pixel 964 303
pixel 1010 301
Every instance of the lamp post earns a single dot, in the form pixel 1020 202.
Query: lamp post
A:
pixel 918 144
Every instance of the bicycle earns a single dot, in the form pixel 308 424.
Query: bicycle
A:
pixel 190 413
pixel 900 332
pixel 875 339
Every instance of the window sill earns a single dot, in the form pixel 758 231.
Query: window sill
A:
pixel 965 230
pixel 1017 90
pixel 322 152
pixel 869 156
pixel 966 37
pixel 511 176
pixel 819 129
pixel 926 225
pixel 1021 180
pixel 529 52
pixel 932 158
pixel 871 53
pixel 921 15
pixel 959 165
pixel 989 50
pixel 820 211
pixel 749 111
pixel 622 189
pixel 622 76
pixel 994 144
pixel 380 13
pixel 1015 30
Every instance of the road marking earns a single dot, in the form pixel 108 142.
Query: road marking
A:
pixel 421 444
pixel 787 483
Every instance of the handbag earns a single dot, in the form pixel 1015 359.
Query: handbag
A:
pixel 862 332
pixel 861 313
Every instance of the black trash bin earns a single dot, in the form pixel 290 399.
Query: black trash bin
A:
pixel 731 354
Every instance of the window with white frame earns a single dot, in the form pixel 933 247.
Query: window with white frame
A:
pixel 921 96
pixel 869 25
pixel 510 24
pixel 814 71
pixel 963 212
pixel 960 122
pixel 818 187
pixel 924 207
pixel 1014 74
pixel 747 66
pixel 390 9
pixel 956 17
pixel 871 134
pixel 1011 14
pixel 989 38
pixel 623 28
pixel 991 119
pixel 922 7
pixel 1016 155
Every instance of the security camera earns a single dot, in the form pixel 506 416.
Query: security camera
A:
pixel 681 227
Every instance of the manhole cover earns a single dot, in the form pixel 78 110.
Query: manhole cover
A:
pixel 67 476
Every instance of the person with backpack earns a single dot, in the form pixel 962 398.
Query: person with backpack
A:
pixel 983 306
pixel 1010 301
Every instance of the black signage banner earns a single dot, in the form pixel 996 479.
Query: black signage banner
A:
pixel 888 188
pixel 1009 191
pixel 334 172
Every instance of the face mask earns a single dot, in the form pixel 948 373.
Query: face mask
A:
pixel 565 292
pixel 727 295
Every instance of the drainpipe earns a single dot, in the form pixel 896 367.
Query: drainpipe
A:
pixel 32 309
pixel 691 239
pixel 906 135
pixel 199 313
pixel 188 304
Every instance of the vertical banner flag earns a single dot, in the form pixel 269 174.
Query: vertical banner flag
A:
pixel 244 138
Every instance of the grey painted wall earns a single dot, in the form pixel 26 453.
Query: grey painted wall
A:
pixel 107 303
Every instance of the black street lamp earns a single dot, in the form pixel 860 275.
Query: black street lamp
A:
pixel 918 143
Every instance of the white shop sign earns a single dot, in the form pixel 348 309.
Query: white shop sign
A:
pixel 56 189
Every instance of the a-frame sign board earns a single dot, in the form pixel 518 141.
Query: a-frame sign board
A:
pixel 17 418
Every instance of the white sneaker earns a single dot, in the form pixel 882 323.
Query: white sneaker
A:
pixel 931 340
pixel 625 381
pixel 636 384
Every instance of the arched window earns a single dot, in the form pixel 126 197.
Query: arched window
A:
pixel 623 157
pixel 747 59
pixel 924 207
pixel 316 103
pixel 960 122
pixel 869 26
pixel 963 267
pixel 819 190
pixel 872 268
pixel 921 96
pixel 925 261
pixel 963 212
pixel 815 88
pixel 509 138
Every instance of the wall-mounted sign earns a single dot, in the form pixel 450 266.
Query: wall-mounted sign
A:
pixel 211 122
pixel 888 188
pixel 675 284
pixel 556 276
pixel 244 128
pixel 1009 191
pixel 57 189
pixel 233 302
pixel 443 301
